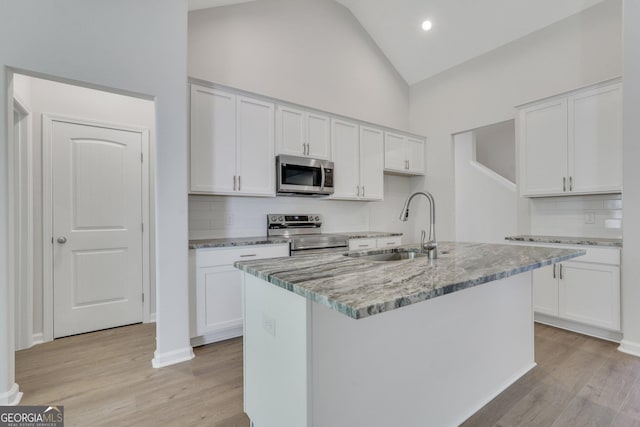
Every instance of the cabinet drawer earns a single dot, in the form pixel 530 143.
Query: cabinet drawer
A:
pixel 360 244
pixel 210 257
pixel 389 242
pixel 599 255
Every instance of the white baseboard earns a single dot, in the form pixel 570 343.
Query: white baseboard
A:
pixel 11 397
pixel 629 347
pixel 580 328
pixel 37 338
pixel 152 318
pixel 160 360
pixel 226 334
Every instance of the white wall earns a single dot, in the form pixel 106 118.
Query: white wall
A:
pixel 567 216
pixel 313 53
pixel 579 50
pixel 133 46
pixel 496 148
pixel 631 179
pixel 58 98
pixel 222 216
pixel 310 52
pixel 485 201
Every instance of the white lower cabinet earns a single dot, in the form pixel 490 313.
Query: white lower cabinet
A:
pixel 373 243
pixel 585 290
pixel 590 293
pixel 216 289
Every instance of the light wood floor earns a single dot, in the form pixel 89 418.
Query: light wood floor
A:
pixel 106 378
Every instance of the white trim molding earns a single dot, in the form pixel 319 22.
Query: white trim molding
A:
pixel 160 360
pixel 629 347
pixel 11 397
pixel 22 196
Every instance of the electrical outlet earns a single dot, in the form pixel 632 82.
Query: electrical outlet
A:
pixel 590 218
pixel 269 324
pixel 228 219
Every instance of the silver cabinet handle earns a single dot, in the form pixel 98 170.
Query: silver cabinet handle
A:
pixel 62 240
pixel 247 256
pixel 570 183
pixel 554 271
pixel 358 190
pixel 239 182
pixel 564 183
pixel 363 246
pixel 363 191
pixel 234 182
pixel 408 164
pixel 560 271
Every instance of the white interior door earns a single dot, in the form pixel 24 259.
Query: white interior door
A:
pixel 97 227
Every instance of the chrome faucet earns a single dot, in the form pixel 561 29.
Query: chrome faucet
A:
pixel 432 245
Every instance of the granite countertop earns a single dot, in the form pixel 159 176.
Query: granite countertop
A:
pixel 592 241
pixel 360 288
pixel 236 241
pixel 264 240
pixel 369 234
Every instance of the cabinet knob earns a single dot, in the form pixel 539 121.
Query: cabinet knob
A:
pixel 62 240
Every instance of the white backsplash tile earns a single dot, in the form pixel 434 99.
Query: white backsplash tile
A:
pixel 569 216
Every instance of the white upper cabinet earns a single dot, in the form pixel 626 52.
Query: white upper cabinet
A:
pixel 345 142
pixel 572 144
pixel 231 144
pixel 358 161
pixel 255 147
pixel 302 133
pixel 371 163
pixel 403 154
pixel 595 128
pixel 543 129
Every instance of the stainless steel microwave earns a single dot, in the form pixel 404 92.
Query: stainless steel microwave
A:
pixel 303 176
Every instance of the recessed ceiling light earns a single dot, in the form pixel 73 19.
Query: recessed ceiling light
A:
pixel 426 25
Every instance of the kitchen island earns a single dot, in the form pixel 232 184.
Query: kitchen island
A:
pixel 337 340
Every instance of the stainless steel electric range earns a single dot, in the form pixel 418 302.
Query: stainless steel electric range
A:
pixel 306 234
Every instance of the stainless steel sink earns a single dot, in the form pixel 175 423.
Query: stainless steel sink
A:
pixel 398 254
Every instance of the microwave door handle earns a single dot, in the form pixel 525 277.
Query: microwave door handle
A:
pixel 323 177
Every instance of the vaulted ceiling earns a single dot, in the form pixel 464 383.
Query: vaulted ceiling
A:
pixel 462 29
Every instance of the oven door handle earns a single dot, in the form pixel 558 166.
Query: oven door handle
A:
pixel 323 177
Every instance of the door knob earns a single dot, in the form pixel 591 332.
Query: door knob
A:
pixel 62 239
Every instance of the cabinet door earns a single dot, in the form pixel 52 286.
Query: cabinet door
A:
pixel 371 163
pixel 545 290
pixel 415 155
pixel 395 157
pixel 290 131
pixel 344 145
pixel 543 148
pixel 213 140
pixel 318 136
pixel 255 147
pixel 590 293
pixel 219 299
pixel 595 140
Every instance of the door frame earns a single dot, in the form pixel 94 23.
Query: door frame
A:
pixel 22 157
pixel 47 213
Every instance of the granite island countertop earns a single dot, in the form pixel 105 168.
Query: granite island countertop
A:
pixel 359 288
pixel 567 240
pixel 227 242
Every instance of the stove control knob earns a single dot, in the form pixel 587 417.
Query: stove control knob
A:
pixel 317 218
pixel 274 218
pixel 280 218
